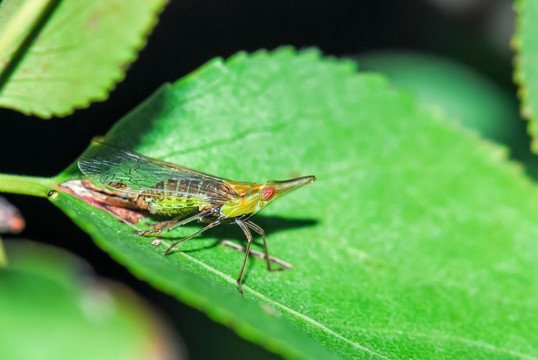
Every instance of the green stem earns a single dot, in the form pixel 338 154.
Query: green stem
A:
pixel 3 257
pixel 26 185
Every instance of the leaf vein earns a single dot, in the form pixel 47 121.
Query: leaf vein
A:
pixel 441 336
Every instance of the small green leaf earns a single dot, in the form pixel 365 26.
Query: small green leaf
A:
pixel 60 55
pixel 525 42
pixel 417 241
pixel 51 309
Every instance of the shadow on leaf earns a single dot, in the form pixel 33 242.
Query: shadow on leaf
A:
pixel 270 224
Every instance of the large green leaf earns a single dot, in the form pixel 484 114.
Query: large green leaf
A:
pixel 52 309
pixel 525 43
pixel 417 241
pixel 56 56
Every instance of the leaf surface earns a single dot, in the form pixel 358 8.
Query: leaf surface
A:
pixel 417 241
pixel 60 55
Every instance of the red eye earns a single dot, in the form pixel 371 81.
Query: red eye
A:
pixel 268 192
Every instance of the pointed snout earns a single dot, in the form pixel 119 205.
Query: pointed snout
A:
pixel 284 187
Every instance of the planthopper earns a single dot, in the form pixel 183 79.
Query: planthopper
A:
pixel 182 195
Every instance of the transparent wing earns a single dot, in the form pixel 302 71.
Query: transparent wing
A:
pixel 128 171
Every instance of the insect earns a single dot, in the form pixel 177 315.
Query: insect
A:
pixel 183 195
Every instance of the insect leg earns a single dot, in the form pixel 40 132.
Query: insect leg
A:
pixel 200 216
pixel 160 226
pixel 258 254
pixel 156 228
pixel 213 224
pixel 170 224
pixel 260 231
pixel 247 233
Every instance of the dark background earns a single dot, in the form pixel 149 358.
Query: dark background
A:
pixel 189 33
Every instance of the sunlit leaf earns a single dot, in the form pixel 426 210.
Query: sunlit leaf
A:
pixel 417 241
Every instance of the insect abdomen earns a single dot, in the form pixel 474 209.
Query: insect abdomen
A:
pixel 177 197
pixel 172 208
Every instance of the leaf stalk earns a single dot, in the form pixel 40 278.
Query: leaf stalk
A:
pixel 26 185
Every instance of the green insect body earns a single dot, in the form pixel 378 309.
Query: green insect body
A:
pixel 181 194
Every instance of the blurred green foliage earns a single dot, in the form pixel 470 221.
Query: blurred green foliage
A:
pixel 53 308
